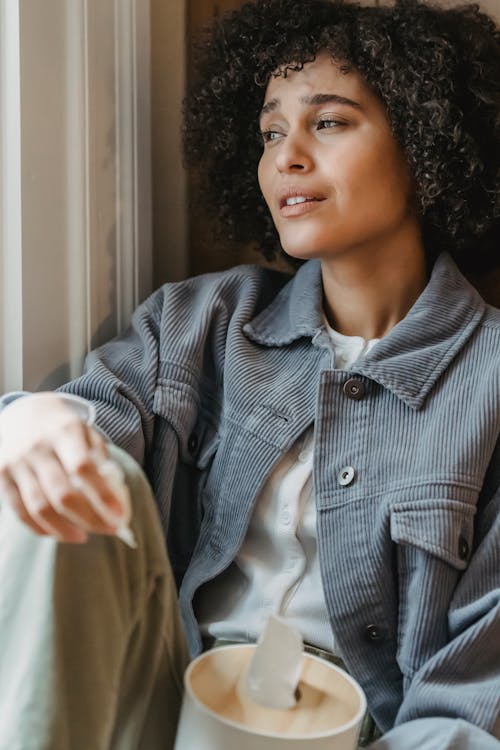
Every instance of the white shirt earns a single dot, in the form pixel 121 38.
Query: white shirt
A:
pixel 277 568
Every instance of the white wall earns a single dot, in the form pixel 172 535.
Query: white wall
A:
pixel 75 251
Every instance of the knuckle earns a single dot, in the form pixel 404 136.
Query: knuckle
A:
pixel 84 465
pixel 74 427
pixel 40 451
pixel 41 510
pixel 65 500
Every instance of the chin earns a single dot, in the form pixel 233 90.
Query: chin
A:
pixel 302 251
pixel 303 245
pixel 301 256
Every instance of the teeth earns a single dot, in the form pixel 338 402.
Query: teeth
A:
pixel 296 199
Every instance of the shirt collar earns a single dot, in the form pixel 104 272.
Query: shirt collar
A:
pixel 296 311
pixel 412 356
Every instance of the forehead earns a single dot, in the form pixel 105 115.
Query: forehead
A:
pixel 323 75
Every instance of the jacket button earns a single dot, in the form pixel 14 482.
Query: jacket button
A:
pixel 354 389
pixel 373 633
pixel 463 548
pixel 192 444
pixel 346 476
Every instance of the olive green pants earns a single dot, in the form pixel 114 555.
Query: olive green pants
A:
pixel 92 651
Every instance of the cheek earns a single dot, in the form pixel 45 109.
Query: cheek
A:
pixel 383 174
pixel 261 176
pixel 396 188
pixel 264 178
pixel 393 166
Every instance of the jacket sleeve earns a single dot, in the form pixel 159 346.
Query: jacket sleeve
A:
pixel 457 690
pixel 436 733
pixel 120 378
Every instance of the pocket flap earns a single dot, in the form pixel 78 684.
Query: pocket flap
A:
pixel 445 528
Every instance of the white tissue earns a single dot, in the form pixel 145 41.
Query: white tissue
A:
pixel 112 473
pixel 276 665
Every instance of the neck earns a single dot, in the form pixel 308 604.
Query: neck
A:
pixel 366 294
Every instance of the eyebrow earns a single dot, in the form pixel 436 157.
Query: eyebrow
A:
pixel 315 100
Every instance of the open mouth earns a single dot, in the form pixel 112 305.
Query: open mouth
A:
pixel 295 200
pixel 294 204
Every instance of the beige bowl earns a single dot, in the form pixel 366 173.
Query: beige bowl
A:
pixel 216 716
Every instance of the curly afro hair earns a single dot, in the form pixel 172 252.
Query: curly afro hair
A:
pixel 436 70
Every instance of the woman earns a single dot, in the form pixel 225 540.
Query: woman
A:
pixel 325 447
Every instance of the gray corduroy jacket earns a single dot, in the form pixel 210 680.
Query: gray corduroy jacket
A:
pixel 216 379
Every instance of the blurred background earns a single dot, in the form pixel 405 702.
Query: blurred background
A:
pixel 95 206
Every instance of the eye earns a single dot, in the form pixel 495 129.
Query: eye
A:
pixel 329 123
pixel 270 135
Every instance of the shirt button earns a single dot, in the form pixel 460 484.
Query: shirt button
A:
pixel 286 516
pixel 463 548
pixel 346 476
pixel 373 633
pixel 354 389
pixel 192 444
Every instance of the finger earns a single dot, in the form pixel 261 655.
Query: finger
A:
pixel 73 446
pixel 39 508
pixel 98 443
pixel 63 496
pixel 9 494
pixel 100 492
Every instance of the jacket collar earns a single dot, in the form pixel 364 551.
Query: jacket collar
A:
pixel 412 356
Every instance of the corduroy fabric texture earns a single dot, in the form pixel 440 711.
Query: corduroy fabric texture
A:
pixel 216 379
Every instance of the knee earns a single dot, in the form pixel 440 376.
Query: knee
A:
pixel 145 521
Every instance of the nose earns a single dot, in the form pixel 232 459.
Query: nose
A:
pixel 293 154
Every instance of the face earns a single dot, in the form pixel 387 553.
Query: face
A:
pixel 331 172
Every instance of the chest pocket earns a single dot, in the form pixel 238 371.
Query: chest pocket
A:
pixel 194 420
pixel 443 528
pixel 434 541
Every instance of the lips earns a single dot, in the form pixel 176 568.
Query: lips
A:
pixel 297 196
pixel 295 202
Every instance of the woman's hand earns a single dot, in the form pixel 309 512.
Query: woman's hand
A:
pixel 43 444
